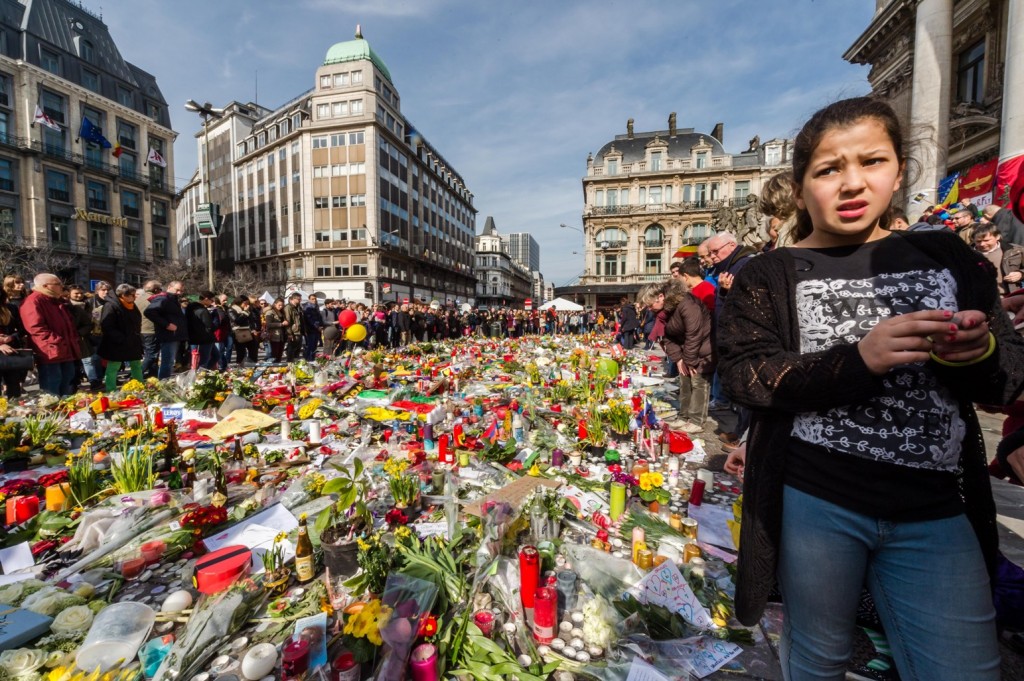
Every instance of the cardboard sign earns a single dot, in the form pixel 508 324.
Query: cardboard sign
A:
pixel 514 493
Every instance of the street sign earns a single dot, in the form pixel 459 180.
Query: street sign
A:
pixel 528 304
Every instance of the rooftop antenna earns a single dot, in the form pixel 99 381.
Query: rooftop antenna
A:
pixel 359 32
pixel 256 96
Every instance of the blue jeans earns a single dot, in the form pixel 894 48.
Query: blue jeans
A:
pixel 226 347
pixel 168 355
pixel 58 379
pixel 928 580
pixel 150 353
pixel 312 341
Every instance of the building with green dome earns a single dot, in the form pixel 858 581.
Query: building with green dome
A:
pixel 336 192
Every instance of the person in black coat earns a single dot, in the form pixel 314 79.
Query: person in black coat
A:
pixel 169 324
pixel 12 338
pixel 121 341
pixel 201 329
pixel 628 324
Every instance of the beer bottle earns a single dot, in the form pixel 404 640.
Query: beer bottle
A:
pixel 303 554
pixel 238 455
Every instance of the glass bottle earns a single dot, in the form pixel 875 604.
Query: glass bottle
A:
pixel 304 554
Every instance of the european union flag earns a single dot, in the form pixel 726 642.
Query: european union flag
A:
pixel 91 133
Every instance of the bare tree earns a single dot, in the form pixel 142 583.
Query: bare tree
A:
pixel 192 276
pixel 244 280
pixel 18 258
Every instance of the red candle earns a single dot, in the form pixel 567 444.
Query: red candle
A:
pixel 26 508
pixel 294 658
pixel 544 610
pixel 442 448
pixel 581 431
pixel 346 668
pixel 529 574
pixel 289 411
pixel 158 418
pixel 423 663
pixel 132 567
pixel 697 493
pixel 484 619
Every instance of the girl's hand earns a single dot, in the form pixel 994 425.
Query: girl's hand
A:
pixel 736 461
pixel 968 342
pixel 904 339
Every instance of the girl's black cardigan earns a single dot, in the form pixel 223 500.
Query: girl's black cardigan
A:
pixel 761 367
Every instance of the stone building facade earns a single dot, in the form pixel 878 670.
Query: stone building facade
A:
pixel 648 194
pixel 104 216
pixel 337 193
pixel 502 281
pixel 941 65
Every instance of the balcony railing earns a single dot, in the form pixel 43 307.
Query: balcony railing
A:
pixel 55 151
pixel 697 205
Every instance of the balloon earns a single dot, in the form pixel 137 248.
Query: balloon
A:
pixel 356 333
pixel 347 318
pixel 608 368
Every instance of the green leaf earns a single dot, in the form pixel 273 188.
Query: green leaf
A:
pixel 334 486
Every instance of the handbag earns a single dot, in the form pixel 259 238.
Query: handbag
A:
pixel 243 335
pixel 21 360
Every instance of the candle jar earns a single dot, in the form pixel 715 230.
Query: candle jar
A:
pixel 566 590
pixel 545 608
pixel 57 497
pixel 153 551
pixel 294 658
pixel 689 527
pixel 423 663
pixel 697 493
pixel 315 434
pixel 529 574
pixel 640 467
pixel 645 559
pixel 617 500
pixel 132 567
pixel 345 668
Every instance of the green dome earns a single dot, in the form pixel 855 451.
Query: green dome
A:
pixel 355 50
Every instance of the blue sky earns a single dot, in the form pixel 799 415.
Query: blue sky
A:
pixel 516 94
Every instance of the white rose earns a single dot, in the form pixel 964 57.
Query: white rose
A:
pixel 22 661
pixel 10 594
pixel 75 618
pixel 47 605
pixel 84 589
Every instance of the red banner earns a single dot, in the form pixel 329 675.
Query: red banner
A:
pixel 1009 192
pixel 978 180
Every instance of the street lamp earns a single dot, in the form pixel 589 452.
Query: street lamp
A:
pixel 207 111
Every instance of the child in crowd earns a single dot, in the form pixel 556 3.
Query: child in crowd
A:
pixel 860 352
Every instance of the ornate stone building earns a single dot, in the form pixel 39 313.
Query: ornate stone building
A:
pixel 648 194
pixel 501 280
pixel 97 196
pixel 941 65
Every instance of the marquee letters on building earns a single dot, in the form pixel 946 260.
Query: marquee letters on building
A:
pixel 82 214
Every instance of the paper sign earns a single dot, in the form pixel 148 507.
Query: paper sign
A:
pixel 260 539
pixel 277 517
pixel 514 493
pixel 425 530
pixel 640 670
pixel 17 557
pixel 239 421
pixel 709 654
pixel 665 586
pixel 712 528
pixel 586 502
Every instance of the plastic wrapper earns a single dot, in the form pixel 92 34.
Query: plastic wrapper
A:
pixel 214 620
pixel 410 600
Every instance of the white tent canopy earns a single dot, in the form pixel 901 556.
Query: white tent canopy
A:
pixel 561 304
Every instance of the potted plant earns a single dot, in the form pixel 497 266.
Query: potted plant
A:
pixel 276 580
pixel 405 489
pixel 344 521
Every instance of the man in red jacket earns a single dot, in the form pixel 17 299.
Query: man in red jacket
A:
pixel 52 334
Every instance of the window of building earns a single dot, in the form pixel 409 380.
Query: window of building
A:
pixel 357 200
pixel 159 212
pixel 53 106
pixel 323 111
pixel 613 198
pixel 128 163
pixel 357 106
pixel 132 244
pixel 740 189
pixel 654 195
pixel 319 171
pixel 320 202
pixel 652 264
pixel 700 193
pixel 611 265
pixel 57 186
pixel 656 160
pixel 355 138
pixel 773 155
pixel 6 175
pixel 599 197
pixel 99 238
pixel 261 140
pixel 321 237
pixel 702 159
pixel 160 246
pixel 125 96
pixel 654 235
pixel 320 142
pixel 127 135
pixel 715 191
pixel 96 195
pixel 296 121
pixel 94 153
pixel 359 270
pixel 129 204
pixel 60 230
pixel 338 201
pixel 325 82
pixel 5 90
pixel 90 80
pixel 341 270
pixel 357 77
pixel 611 166
pixel 49 60
pixel 340 109
pixel 696 233
pixel 86 51
pixel 612 236
pixel 970 74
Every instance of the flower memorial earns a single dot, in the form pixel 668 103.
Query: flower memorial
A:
pixel 482 509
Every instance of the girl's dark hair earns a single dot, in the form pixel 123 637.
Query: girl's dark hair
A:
pixel 239 300
pixel 841 114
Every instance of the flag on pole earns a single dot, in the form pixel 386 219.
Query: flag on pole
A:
pixel 156 158
pixel 1009 191
pixel 118 150
pixel 949 190
pixel 43 119
pixel 92 134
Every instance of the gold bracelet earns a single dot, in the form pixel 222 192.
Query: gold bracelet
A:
pixel 988 353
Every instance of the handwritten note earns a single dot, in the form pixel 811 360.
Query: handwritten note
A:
pixel 702 655
pixel 640 670
pixel 665 586
pixel 425 530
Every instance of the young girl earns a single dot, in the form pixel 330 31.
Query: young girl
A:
pixel 861 352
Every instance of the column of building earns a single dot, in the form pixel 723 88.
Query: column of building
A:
pixel 1011 134
pixel 930 94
